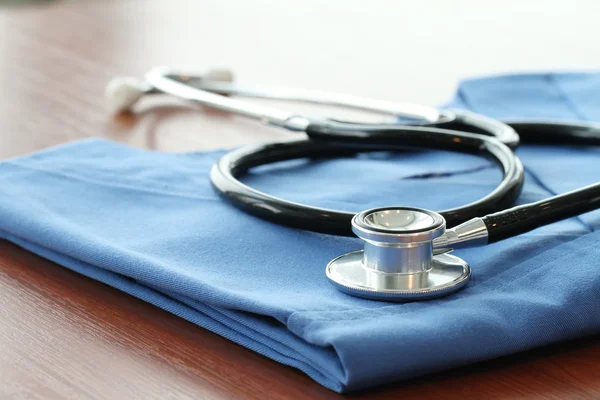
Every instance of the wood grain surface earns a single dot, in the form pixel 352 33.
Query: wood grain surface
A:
pixel 65 336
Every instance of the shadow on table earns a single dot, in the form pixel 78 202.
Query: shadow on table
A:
pixel 546 371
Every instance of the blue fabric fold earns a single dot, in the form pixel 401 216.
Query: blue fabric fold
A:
pixel 149 224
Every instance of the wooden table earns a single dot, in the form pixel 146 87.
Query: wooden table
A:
pixel 65 336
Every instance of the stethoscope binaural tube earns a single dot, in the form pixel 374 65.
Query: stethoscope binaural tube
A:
pixel 208 91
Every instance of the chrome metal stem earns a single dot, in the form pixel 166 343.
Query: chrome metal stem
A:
pixel 396 108
pixel 166 82
pixel 472 233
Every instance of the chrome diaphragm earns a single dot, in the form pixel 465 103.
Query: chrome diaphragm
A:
pixel 398 261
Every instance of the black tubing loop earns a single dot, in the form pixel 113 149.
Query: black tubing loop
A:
pixel 466 121
pixel 557 132
pixel 510 132
pixel 513 132
pixel 329 139
pixel 456 131
pixel 455 120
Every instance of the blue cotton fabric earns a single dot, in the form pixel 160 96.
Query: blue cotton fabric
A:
pixel 149 224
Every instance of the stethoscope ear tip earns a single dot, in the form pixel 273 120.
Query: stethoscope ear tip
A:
pixel 122 93
pixel 218 75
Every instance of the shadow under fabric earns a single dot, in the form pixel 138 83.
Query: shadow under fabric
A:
pixel 149 224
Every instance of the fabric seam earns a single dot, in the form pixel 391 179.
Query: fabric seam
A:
pixel 551 78
pixel 113 185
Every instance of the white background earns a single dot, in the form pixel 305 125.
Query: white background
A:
pixel 398 50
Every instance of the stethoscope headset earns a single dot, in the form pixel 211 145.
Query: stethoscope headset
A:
pixel 405 255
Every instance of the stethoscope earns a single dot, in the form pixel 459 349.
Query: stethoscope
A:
pixel 406 250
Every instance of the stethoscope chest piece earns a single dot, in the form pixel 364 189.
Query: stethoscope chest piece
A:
pixel 397 262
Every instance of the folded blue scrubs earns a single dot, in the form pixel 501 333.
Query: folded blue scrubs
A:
pixel 149 224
